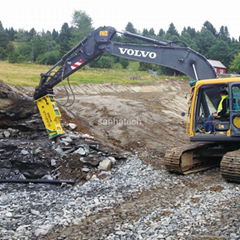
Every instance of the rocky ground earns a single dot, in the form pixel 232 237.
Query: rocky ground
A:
pixel 115 138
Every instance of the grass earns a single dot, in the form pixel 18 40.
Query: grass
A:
pixel 20 74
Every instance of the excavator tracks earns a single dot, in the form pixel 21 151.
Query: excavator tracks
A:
pixel 202 156
pixel 230 166
pixel 193 158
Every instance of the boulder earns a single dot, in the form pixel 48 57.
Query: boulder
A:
pixel 105 165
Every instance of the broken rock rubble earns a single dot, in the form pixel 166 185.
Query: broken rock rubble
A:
pixel 83 156
pixel 26 152
pixel 73 155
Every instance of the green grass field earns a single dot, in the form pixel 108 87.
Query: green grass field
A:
pixel 29 75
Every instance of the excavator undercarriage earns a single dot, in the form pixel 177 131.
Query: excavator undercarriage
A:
pixel 197 157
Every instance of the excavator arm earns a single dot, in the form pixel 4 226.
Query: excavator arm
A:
pixel 99 42
pixel 86 51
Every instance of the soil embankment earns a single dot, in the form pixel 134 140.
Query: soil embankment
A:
pixel 146 119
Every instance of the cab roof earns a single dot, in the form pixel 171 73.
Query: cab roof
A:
pixel 217 81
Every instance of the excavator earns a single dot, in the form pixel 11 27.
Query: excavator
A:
pixel 205 151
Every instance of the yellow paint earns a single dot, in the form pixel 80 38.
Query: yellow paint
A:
pixel 228 133
pixel 236 121
pixel 188 122
pixel 103 33
pixel 192 112
pixel 50 114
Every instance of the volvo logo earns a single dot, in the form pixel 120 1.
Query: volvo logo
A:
pixel 137 53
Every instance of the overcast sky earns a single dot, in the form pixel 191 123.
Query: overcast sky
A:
pixel 49 14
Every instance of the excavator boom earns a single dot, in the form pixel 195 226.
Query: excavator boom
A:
pixel 99 42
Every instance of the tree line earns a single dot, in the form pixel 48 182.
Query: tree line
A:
pixel 47 47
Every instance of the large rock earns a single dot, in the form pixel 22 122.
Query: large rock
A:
pixel 105 165
pixel 82 150
pixel 90 160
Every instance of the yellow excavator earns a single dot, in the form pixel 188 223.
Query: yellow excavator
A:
pixel 207 149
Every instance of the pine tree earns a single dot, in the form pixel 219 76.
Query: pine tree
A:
pixel 207 25
pixel 64 39
pixel 3 42
pixel 130 28
pixel 145 32
pixel 172 30
pixel 161 33
pixel 55 34
pixel 224 34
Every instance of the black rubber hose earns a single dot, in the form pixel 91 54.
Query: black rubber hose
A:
pixel 49 181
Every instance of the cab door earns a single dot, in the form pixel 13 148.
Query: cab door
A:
pixel 234 108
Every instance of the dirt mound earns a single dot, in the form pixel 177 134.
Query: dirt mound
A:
pixel 146 119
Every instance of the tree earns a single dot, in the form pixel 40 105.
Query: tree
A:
pixel 145 32
pixel 220 51
pixel 3 42
pixel 130 28
pixel 191 32
pixel 82 21
pixel 82 25
pixel 26 51
pixel 124 62
pixel 64 39
pixel 149 33
pixel 22 36
pixel 152 32
pixel 205 40
pixel 188 36
pixel 32 33
pixel 11 34
pixel 54 34
pixel 103 62
pixel 43 43
pixel 207 25
pixel 161 33
pixel 1 27
pixel 50 57
pixel 224 34
pixel 235 64
pixel 22 53
pixel 172 30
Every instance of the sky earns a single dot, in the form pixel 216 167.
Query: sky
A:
pixel 51 14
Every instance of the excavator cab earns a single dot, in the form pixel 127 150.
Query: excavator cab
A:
pixel 210 150
pixel 205 102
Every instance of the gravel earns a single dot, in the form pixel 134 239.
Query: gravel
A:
pixel 174 211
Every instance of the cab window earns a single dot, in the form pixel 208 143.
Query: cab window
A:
pixel 236 98
pixel 207 102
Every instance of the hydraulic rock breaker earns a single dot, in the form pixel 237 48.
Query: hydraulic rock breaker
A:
pixel 50 114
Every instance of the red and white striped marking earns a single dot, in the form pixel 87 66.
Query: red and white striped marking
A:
pixel 77 64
